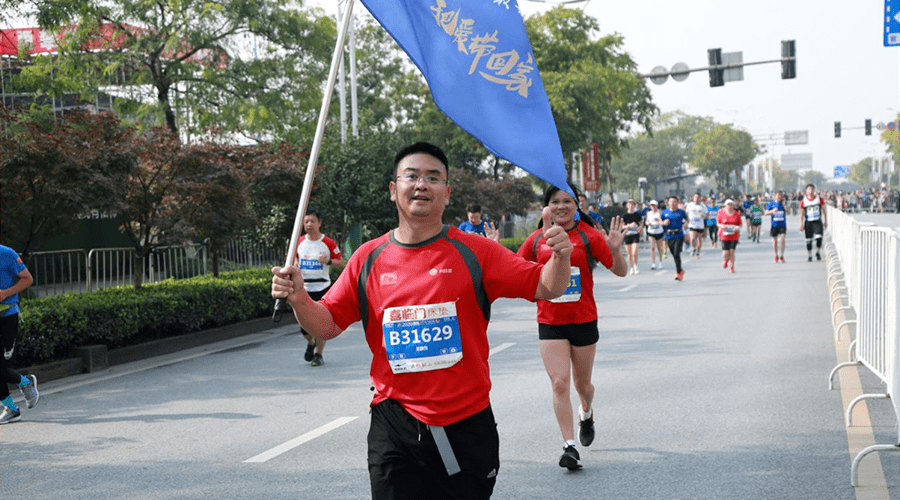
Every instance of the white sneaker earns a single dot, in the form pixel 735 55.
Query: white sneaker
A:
pixel 636 270
pixel 653 266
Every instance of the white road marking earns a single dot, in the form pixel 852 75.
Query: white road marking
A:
pixel 500 348
pixel 293 443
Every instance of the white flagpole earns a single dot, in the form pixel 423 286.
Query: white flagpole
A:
pixel 314 152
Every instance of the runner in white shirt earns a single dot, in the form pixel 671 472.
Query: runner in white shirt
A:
pixel 696 212
pixel 655 233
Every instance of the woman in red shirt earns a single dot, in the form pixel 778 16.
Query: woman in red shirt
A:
pixel 567 326
pixel 729 222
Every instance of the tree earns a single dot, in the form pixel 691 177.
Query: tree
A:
pixel 662 155
pixel 723 151
pixel 594 89
pixel 813 177
pixel 239 65
pixel 860 172
pixel 497 198
pixel 892 139
pixel 54 169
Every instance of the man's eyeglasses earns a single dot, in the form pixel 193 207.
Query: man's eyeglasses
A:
pixel 411 178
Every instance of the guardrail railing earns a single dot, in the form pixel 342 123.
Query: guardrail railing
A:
pixel 870 259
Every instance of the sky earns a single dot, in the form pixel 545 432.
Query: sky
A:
pixel 844 73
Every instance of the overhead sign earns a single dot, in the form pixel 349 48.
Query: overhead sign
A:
pixel 799 161
pixel 891 23
pixel 796 137
pixel 733 74
pixel 841 171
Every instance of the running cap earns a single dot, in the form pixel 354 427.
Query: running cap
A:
pixel 654 202
pixel 729 200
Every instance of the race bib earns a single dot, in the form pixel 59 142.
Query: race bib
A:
pixel 778 216
pixel 655 229
pixel 310 264
pixel 696 221
pixel 812 212
pixel 728 232
pixel 573 291
pixel 421 338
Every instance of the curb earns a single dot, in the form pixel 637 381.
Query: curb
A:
pixel 97 358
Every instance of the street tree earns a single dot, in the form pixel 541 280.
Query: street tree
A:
pixel 54 169
pixel 860 172
pixel 592 83
pixel 238 66
pixel 721 153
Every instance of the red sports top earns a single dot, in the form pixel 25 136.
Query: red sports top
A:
pixel 442 270
pixel 584 309
pixel 732 220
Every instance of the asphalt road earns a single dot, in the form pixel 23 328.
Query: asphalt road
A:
pixel 711 388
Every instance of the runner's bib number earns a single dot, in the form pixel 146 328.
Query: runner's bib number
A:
pixel 573 291
pixel 812 212
pixel 311 265
pixel 421 338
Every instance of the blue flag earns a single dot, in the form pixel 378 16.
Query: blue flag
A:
pixel 477 60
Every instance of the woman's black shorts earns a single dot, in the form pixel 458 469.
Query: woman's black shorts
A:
pixel 578 334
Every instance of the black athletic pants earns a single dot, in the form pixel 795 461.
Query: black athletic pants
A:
pixel 9 330
pixel 675 247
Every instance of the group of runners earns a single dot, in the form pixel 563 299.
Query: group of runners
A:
pixel 669 229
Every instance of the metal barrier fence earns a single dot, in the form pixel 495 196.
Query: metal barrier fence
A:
pixel 80 271
pixel 870 259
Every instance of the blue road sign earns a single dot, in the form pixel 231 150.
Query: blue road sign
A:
pixel 891 23
pixel 841 171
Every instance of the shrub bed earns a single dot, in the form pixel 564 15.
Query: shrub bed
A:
pixel 118 317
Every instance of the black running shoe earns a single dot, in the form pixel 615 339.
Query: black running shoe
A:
pixel 310 351
pixel 818 256
pixel 317 360
pixel 586 431
pixel 570 458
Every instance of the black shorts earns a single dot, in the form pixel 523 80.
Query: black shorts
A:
pixel 700 230
pixel 729 245
pixel 775 231
pixel 813 229
pixel 755 223
pixel 404 462
pixel 656 236
pixel 631 239
pixel 578 334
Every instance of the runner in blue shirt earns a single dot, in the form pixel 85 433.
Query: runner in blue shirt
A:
pixel 14 277
pixel 474 224
pixel 775 208
pixel 712 210
pixel 673 219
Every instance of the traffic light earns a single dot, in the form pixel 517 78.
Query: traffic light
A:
pixel 788 60
pixel 837 129
pixel 716 75
pixel 868 126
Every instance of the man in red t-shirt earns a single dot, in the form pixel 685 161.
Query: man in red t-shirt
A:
pixel 423 293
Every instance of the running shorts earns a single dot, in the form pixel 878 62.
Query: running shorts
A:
pixel 317 296
pixel 631 239
pixel 729 245
pixel 404 461
pixel 775 231
pixel 813 229
pixel 578 334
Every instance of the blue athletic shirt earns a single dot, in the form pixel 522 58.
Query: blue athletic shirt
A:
pixel 472 228
pixel 778 219
pixel 676 219
pixel 711 212
pixel 10 267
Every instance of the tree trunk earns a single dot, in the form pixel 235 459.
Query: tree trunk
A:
pixel 215 262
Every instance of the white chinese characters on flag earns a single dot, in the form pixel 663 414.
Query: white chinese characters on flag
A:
pixel 477 60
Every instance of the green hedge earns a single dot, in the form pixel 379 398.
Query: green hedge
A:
pixel 123 316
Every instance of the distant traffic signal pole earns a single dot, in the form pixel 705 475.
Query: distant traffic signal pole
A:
pixel 720 64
